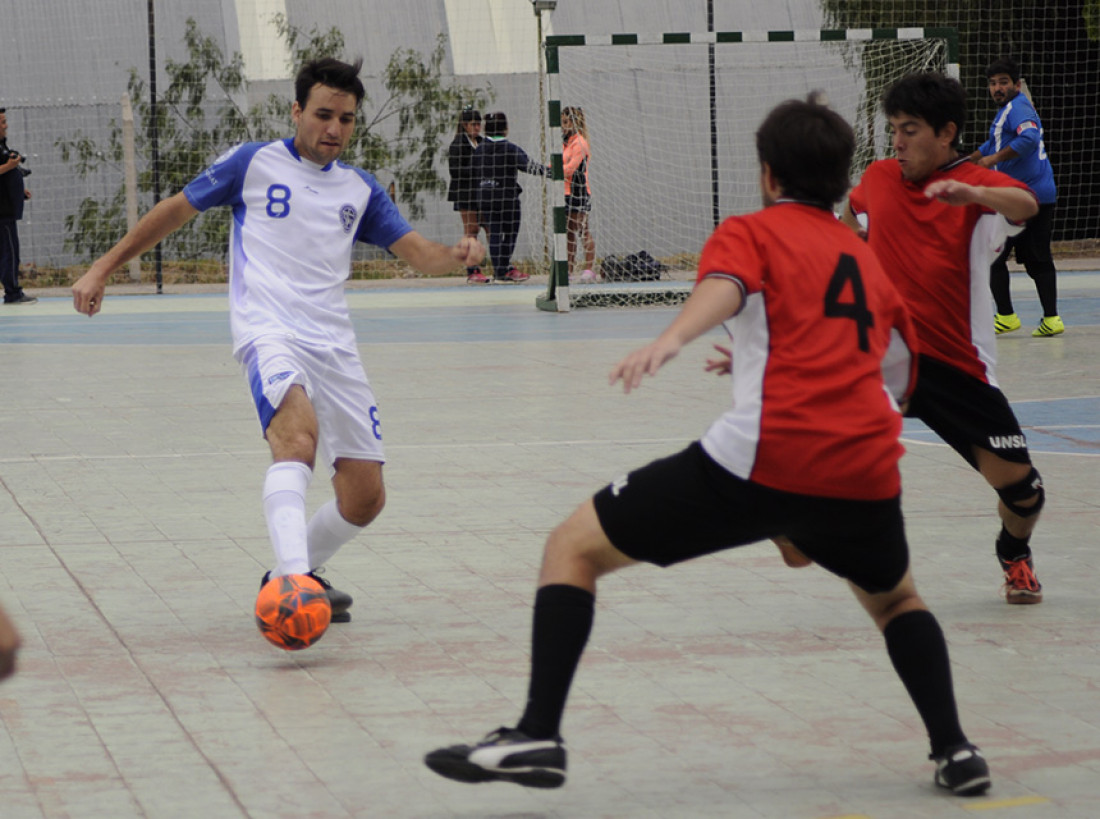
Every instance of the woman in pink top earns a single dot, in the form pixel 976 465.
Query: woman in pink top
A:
pixel 578 193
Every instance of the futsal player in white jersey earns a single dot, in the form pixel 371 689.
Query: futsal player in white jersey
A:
pixel 297 213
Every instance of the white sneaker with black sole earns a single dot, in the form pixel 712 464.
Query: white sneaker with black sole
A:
pixel 962 770
pixel 505 755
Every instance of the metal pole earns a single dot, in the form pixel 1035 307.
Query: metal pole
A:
pixel 154 137
pixel 546 256
pixel 714 204
pixel 130 177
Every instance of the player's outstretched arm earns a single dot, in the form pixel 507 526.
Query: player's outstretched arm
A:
pixel 990 160
pixel 713 301
pixel 167 216
pixel 1016 204
pixel 432 258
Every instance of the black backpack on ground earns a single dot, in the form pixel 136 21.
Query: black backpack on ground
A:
pixel 636 267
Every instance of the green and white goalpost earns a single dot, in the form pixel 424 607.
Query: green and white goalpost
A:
pixel 672 121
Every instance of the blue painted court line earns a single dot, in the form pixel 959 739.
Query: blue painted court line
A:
pixel 140 329
pixel 387 325
pixel 203 319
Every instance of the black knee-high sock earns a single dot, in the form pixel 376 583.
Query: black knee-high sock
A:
pixel 1046 285
pixel 1012 548
pixel 999 286
pixel 562 623
pixel 918 651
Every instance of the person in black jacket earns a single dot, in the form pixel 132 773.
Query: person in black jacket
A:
pixel 496 163
pixel 12 195
pixel 463 190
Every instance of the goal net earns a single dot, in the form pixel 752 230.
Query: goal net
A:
pixel 671 122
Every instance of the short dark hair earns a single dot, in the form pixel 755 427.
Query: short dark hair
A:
pixel 809 149
pixel 469 114
pixel 1004 65
pixel 331 72
pixel 495 124
pixel 932 96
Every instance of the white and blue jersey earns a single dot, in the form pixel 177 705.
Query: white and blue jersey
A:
pixel 1017 126
pixel 294 226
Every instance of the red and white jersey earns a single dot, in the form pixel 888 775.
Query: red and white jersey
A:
pixel 938 257
pixel 822 351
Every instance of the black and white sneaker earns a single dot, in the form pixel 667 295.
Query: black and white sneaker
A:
pixel 505 755
pixel 339 600
pixel 962 770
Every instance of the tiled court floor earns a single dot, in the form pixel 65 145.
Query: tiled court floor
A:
pixel 132 543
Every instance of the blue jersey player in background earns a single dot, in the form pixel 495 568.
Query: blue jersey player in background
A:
pixel 1015 147
pixel 297 213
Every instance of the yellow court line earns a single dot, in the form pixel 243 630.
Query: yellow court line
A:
pixel 1008 803
pixel 1019 801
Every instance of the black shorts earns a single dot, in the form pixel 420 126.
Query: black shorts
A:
pixel 687 505
pixel 578 203
pixel 966 413
pixel 1032 244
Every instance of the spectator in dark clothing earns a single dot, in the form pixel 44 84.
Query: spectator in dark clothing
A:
pixel 12 195
pixel 463 190
pixel 496 163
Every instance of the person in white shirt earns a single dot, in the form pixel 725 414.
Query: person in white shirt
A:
pixel 297 213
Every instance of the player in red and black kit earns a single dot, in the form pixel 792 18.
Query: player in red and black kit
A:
pixel 807 453
pixel 936 222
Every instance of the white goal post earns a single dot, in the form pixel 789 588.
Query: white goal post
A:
pixel 672 118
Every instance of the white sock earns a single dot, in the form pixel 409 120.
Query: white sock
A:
pixel 285 509
pixel 327 532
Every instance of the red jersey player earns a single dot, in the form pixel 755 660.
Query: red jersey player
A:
pixel 937 222
pixel 807 455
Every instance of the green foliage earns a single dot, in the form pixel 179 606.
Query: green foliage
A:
pixel 400 137
pixel 204 111
pixel 1091 15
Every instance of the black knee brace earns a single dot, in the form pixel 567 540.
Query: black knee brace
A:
pixel 1028 488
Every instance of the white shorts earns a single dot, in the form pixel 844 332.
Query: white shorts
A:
pixel 336 384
